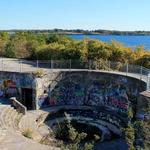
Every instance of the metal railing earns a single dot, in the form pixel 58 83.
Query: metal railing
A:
pixel 18 106
pixel 20 65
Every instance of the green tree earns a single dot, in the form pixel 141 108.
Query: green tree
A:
pixel 17 46
pixel 98 50
pixel 143 61
pixel 3 41
pixel 129 137
pixel 35 45
pixel 10 50
pixel 74 138
pixel 52 51
pixel 117 51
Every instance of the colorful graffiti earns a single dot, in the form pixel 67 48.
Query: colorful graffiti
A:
pixel 113 93
pixel 8 88
pixel 11 84
pixel 68 93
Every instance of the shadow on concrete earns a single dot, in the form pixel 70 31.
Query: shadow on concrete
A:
pixel 4 101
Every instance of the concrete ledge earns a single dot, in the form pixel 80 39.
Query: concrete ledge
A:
pixel 145 94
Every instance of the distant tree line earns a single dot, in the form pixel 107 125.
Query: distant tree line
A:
pixel 81 31
pixel 30 45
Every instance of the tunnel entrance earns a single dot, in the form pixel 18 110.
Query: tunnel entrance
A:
pixel 27 98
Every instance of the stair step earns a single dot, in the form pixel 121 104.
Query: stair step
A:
pixel 2 114
pixel 2 134
pixel 16 121
pixel 7 116
pixel 12 118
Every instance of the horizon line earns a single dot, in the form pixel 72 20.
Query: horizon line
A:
pixel 36 29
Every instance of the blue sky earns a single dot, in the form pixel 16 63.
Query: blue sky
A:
pixel 75 14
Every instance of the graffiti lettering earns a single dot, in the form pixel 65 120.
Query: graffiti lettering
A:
pixel 110 93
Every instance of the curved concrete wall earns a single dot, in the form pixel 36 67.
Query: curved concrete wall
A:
pixel 107 90
pixel 89 115
pixel 78 88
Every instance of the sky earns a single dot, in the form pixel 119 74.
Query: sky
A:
pixel 124 15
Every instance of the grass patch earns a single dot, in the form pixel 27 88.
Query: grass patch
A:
pixel 28 133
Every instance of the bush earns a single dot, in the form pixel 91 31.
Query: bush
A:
pixel 73 139
pixel 129 136
pixel 38 73
pixel 28 133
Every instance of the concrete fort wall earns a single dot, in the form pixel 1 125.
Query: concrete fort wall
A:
pixel 76 88
pixel 104 98
pixel 17 85
pixel 86 88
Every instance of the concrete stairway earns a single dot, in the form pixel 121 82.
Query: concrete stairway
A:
pixel 9 120
pixel 11 137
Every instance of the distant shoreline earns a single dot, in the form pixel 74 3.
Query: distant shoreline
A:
pixel 83 32
pixel 105 34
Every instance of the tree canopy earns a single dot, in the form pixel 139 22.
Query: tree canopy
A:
pixel 30 45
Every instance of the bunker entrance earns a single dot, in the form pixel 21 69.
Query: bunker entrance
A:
pixel 27 98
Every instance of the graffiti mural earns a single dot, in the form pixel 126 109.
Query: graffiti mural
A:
pixel 91 90
pixel 108 94
pixel 11 84
pixel 43 100
pixel 67 93
pixel 9 88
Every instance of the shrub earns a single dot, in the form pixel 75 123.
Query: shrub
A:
pixel 39 73
pixel 28 133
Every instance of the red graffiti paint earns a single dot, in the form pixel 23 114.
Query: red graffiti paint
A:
pixel 52 101
pixel 118 103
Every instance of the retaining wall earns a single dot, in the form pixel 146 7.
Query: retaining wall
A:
pixel 75 88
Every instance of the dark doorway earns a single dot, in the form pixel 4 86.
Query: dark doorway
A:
pixel 27 98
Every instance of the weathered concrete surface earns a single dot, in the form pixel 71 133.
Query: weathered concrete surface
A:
pixel 145 94
pixel 12 83
pixel 10 135
pixel 143 101
pixel 15 141
pixel 87 88
pixel 16 65
pixel 143 106
pixel 22 66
